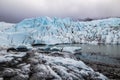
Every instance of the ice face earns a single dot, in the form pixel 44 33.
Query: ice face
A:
pixel 56 30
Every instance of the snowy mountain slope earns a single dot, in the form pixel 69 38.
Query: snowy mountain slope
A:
pixel 56 30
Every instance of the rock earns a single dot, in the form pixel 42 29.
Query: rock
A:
pixel 1 78
pixel 18 49
pixel 62 54
pixel 22 49
pixel 38 76
pixel 55 65
pixel 8 72
pixel 25 69
pixel 66 49
pixel 71 49
pixel 44 72
pixel 38 44
pixel 55 48
pixel 20 77
pixel 11 49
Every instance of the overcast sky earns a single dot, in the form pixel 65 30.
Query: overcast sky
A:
pixel 16 10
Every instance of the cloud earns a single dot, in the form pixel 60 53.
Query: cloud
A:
pixel 61 8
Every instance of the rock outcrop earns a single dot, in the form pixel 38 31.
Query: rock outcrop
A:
pixel 54 65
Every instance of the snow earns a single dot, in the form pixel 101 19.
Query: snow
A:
pixel 1 78
pixel 70 49
pixel 4 25
pixel 62 65
pixel 45 66
pixel 4 59
pixel 9 57
pixel 56 30
pixel 67 61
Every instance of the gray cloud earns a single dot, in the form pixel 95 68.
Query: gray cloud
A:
pixel 16 10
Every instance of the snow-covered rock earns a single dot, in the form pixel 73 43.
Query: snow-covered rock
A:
pixel 11 58
pixel 71 49
pixel 41 66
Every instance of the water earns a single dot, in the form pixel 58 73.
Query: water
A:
pixel 109 50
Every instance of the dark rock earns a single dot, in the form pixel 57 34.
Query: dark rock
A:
pixel 11 49
pixel 55 50
pixel 40 44
pixel 18 49
pixel 22 49
pixel 78 53
pixel 47 49
pixel 78 50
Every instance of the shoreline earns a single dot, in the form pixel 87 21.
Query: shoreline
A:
pixel 90 59
pixel 112 71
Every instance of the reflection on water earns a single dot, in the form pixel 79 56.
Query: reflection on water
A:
pixel 110 50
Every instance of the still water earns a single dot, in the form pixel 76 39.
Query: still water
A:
pixel 109 50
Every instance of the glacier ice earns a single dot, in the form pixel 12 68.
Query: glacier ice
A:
pixel 56 30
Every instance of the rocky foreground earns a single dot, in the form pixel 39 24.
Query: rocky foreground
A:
pixel 41 64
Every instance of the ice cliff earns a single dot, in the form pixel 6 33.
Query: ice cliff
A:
pixel 56 30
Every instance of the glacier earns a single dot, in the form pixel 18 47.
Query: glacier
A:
pixel 4 25
pixel 56 30
pixel 56 64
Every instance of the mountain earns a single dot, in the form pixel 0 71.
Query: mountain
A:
pixel 56 30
